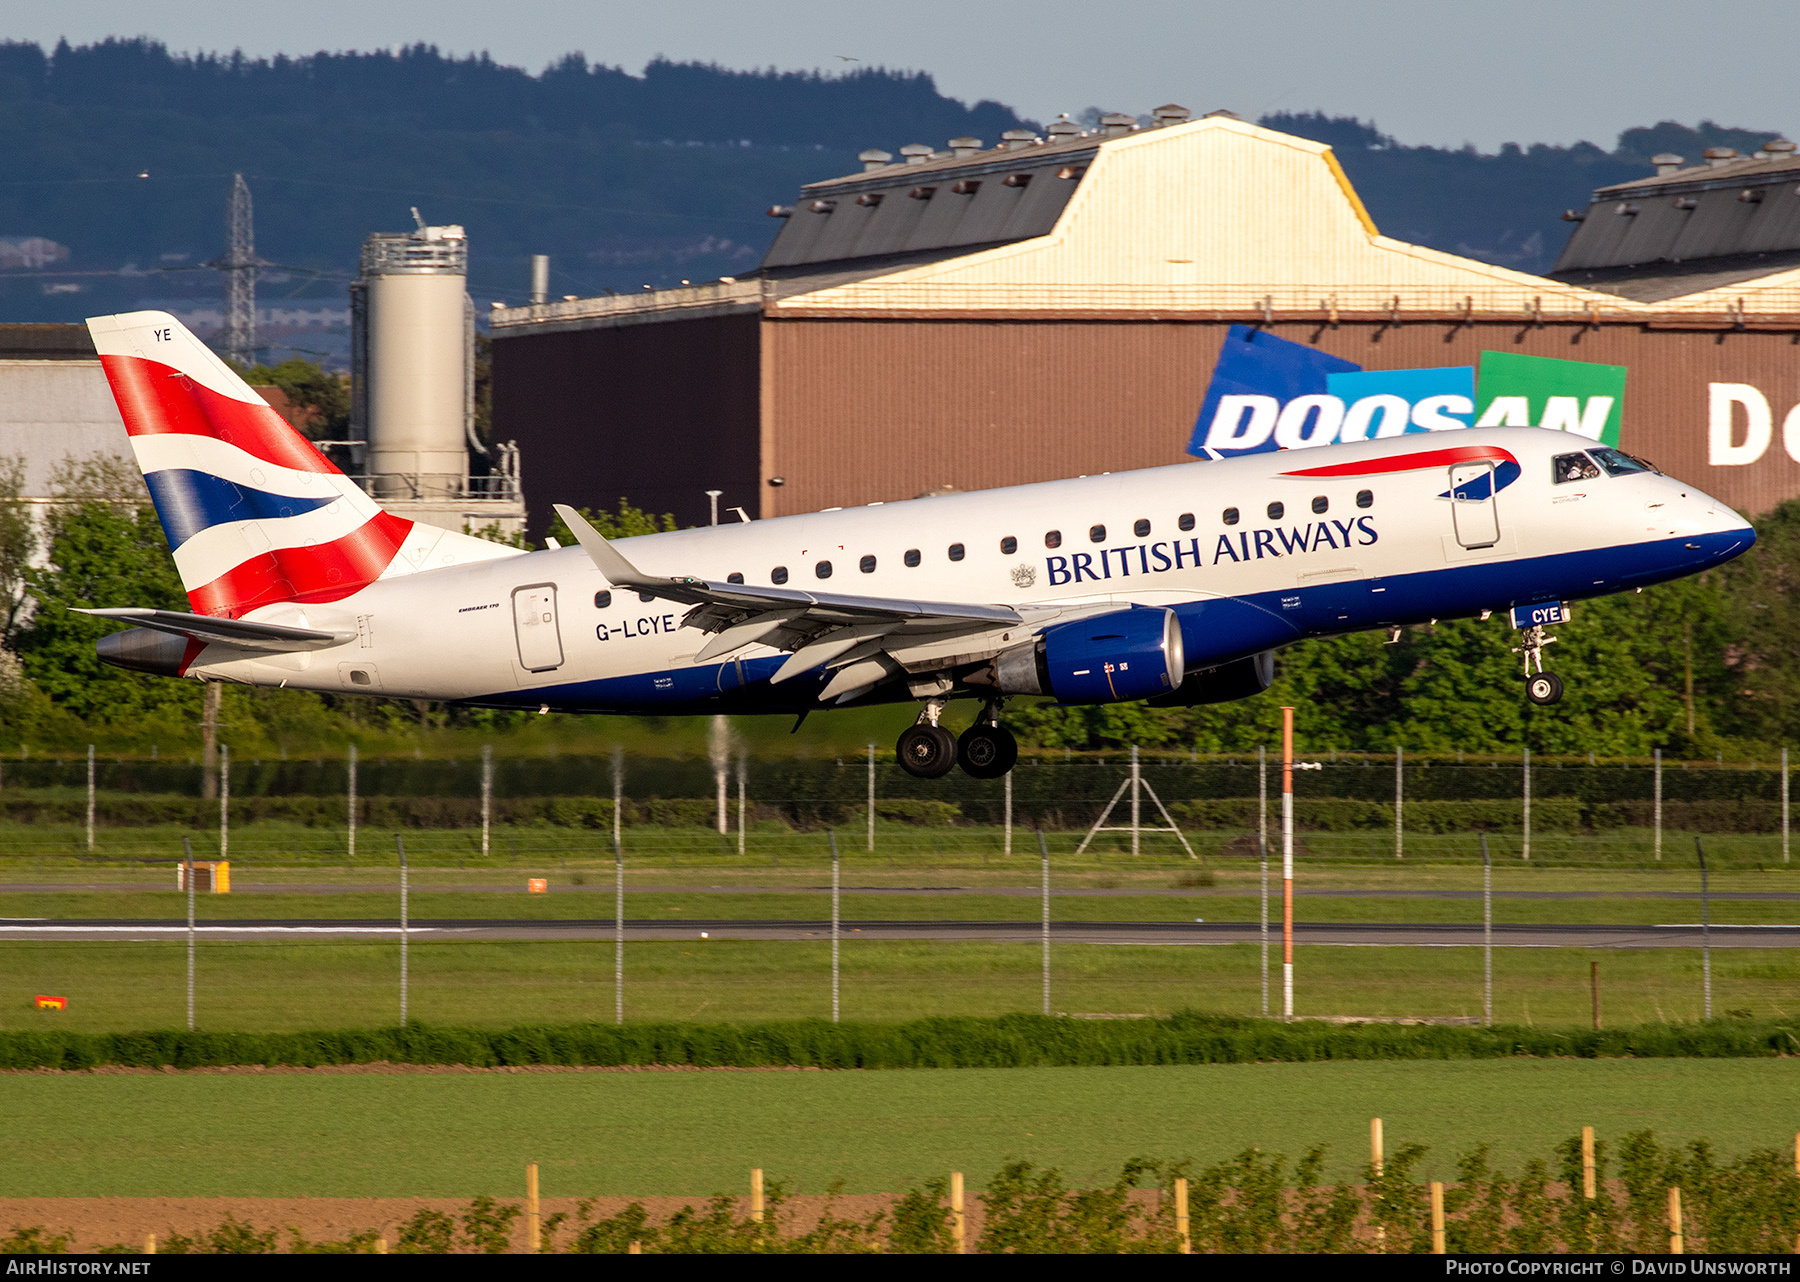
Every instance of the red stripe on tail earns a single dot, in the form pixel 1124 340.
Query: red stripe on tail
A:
pixel 323 572
pixel 155 398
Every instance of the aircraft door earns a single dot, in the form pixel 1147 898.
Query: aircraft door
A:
pixel 1472 509
pixel 534 625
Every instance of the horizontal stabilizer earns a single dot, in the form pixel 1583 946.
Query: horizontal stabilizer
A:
pixel 242 633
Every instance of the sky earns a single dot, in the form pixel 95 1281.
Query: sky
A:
pixel 1442 73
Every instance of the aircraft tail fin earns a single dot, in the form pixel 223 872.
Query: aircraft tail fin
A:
pixel 254 513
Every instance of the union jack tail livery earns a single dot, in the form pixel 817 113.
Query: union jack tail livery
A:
pixel 254 513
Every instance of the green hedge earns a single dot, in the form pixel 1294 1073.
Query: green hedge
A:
pixel 1006 1041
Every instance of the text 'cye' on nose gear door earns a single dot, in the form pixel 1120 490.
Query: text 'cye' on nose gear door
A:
pixel 1472 507
pixel 534 623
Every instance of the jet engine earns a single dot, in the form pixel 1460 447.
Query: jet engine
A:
pixel 1238 679
pixel 1111 658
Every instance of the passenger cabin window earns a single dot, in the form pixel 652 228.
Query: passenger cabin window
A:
pixel 1052 538
pixel 1616 463
pixel 1008 545
pixel 956 551
pixel 1574 467
pixel 778 574
pixel 1276 511
pixel 823 569
pixel 866 565
pixel 911 558
pixel 1231 516
pixel 603 600
pixel 734 577
pixel 1365 498
pixel 1321 505
pixel 646 597
pixel 1141 528
pixel 1186 521
pixel 1097 534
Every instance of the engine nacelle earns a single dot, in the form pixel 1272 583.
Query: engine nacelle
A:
pixel 1239 679
pixel 1111 658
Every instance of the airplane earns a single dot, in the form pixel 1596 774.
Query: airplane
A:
pixel 1172 585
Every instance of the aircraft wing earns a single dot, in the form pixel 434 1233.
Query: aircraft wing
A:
pixel 242 633
pixel 867 640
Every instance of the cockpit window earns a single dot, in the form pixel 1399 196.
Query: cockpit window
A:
pixel 1574 467
pixel 1615 463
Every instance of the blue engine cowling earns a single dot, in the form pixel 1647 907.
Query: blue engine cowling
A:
pixel 1111 658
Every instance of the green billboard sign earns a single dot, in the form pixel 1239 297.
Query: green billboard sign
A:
pixel 1513 390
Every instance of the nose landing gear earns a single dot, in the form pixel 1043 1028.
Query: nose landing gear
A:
pixel 1542 688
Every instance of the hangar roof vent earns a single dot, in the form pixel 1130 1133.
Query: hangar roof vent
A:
pixel 1172 114
pixel 1117 122
pixel 916 153
pixel 875 158
pixel 1667 162
pixel 1018 139
pixel 964 146
pixel 1062 129
pixel 1716 156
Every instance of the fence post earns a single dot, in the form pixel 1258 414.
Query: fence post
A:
pixel 958 1225
pixel 90 798
pixel 756 1194
pixel 534 1241
pixel 1656 807
pixel 835 933
pixel 1594 990
pixel 1676 1245
pixel 618 776
pixel 352 816
pixel 487 794
pixel 1784 806
pixel 1589 1187
pixel 224 801
pixel 871 798
pixel 1006 837
pixel 1182 1233
pixel 1044 856
pixel 1437 1218
pixel 1262 851
pixel 741 806
pixel 1705 935
pixel 1399 802
pixel 400 848
pixel 1377 1164
pixel 1487 934
pixel 1136 803
pixel 1287 863
pixel 618 925
pixel 188 848
pixel 1525 842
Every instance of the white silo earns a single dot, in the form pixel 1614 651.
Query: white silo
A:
pixel 412 363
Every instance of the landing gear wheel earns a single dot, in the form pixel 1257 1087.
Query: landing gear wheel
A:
pixel 926 751
pixel 986 751
pixel 1544 689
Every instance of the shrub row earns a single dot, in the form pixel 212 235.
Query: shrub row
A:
pixel 1252 1203
pixel 953 1042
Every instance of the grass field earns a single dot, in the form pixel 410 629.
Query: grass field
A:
pixel 120 987
pixel 458 1135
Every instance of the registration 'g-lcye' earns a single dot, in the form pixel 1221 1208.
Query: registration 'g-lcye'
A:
pixel 1173 585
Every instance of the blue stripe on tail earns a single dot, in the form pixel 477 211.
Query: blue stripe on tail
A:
pixel 189 502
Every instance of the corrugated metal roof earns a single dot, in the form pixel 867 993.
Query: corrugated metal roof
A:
pixel 1744 206
pixel 992 197
pixel 1660 282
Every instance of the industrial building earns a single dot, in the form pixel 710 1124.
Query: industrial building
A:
pixel 973 316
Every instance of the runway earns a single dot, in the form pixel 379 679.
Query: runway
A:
pixel 1342 934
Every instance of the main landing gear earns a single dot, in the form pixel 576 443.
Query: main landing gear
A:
pixel 986 749
pixel 1542 688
